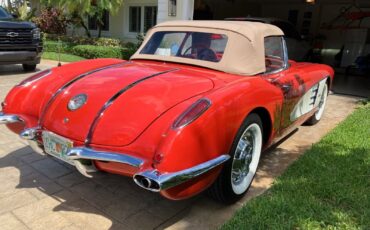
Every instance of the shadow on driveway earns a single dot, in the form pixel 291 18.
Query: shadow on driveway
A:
pixel 107 201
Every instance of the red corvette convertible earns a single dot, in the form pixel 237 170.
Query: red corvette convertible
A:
pixel 192 110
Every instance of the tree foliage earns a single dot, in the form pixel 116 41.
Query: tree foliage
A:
pixel 19 8
pixel 80 10
pixel 13 5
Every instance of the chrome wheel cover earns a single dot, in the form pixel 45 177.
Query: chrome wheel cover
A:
pixel 246 158
pixel 322 103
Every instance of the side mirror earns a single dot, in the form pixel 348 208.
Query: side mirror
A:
pixel 15 16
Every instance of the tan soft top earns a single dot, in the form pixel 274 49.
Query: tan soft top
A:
pixel 244 53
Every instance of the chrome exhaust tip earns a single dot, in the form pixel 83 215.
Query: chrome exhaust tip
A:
pixel 155 181
pixel 147 183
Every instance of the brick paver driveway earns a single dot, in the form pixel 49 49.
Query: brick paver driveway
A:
pixel 39 192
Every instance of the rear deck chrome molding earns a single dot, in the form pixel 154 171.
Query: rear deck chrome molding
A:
pixel 79 77
pixel 113 98
pixel 83 153
pixel 156 181
pixel 9 118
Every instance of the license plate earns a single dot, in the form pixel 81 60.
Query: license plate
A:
pixel 57 146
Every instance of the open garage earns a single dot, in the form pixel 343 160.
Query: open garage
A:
pixel 323 31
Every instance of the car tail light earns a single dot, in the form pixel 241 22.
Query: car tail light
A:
pixel 216 37
pixel 192 113
pixel 35 77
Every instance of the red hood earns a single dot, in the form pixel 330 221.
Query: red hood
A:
pixel 143 100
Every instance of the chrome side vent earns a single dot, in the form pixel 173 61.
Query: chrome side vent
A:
pixel 314 93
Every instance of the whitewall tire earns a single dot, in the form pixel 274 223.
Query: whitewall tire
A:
pixel 238 173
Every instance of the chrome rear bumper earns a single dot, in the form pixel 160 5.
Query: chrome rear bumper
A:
pixel 9 118
pixel 83 153
pixel 156 181
pixel 150 179
pixel 77 155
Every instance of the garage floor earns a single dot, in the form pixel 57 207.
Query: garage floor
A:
pixel 39 192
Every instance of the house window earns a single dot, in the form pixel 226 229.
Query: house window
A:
pixel 135 19
pixel 172 7
pixel 150 17
pixel 142 18
pixel 93 22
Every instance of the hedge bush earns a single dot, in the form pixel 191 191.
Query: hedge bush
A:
pixel 110 42
pixel 92 52
pixel 90 48
pixel 54 46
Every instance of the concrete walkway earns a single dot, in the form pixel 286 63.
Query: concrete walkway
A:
pixel 40 192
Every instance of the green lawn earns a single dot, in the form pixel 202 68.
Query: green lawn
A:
pixel 63 57
pixel 327 188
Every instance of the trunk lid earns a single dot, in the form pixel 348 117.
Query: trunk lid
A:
pixel 143 100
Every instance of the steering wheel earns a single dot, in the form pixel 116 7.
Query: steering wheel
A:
pixel 203 53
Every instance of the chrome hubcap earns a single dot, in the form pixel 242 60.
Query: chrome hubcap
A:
pixel 246 158
pixel 242 157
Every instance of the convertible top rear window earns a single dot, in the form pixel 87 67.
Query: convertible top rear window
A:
pixel 185 44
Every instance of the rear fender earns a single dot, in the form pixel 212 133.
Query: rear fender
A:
pixel 212 134
pixel 28 100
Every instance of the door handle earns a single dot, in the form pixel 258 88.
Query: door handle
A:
pixel 286 87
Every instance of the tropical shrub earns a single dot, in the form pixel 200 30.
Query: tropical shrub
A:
pixel 52 21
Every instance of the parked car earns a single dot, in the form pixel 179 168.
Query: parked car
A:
pixel 193 108
pixel 20 42
pixel 298 48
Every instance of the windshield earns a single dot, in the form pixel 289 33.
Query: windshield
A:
pixel 4 14
pixel 193 45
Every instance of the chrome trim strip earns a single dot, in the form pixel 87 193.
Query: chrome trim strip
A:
pixel 158 181
pixel 80 153
pixel 9 118
pixel 112 99
pixel 46 73
pixel 79 77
